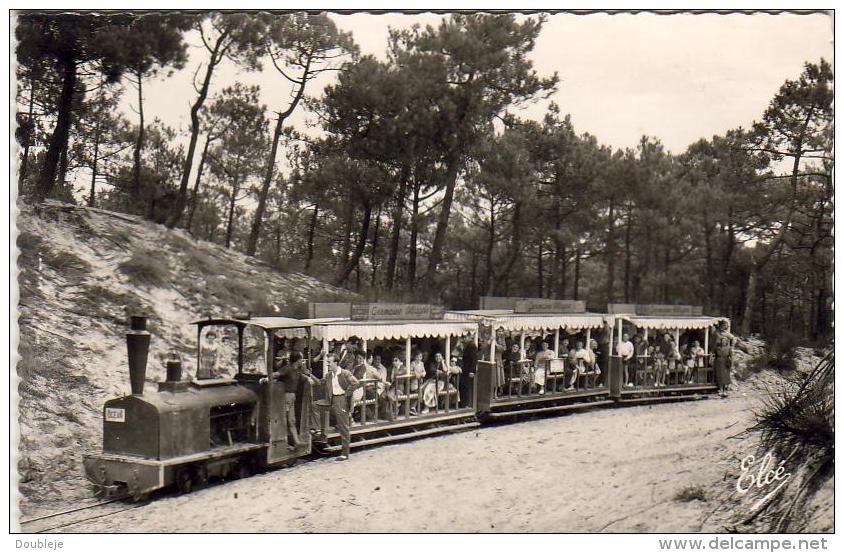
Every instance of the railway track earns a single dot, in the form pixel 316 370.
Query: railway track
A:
pixel 63 519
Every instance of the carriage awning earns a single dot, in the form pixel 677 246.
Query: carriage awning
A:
pixel 523 322
pixel 385 330
pixel 670 323
pixel 266 323
pixel 476 314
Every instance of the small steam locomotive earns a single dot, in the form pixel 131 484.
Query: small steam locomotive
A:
pixel 186 432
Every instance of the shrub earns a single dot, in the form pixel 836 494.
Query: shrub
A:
pixel 691 493
pixel 144 267
pixel 67 264
pixel 800 416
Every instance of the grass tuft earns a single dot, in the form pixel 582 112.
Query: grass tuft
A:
pixel 691 493
pixel 144 267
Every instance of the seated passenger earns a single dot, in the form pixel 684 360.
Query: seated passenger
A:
pixel 697 354
pixel 571 368
pixel 544 355
pixel 438 379
pixel 417 371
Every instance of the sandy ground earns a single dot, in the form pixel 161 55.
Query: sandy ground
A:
pixel 611 470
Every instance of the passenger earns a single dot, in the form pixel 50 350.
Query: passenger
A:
pixel 626 353
pixel 723 365
pixel 438 376
pixel 470 365
pixel 543 356
pixel 290 374
pixel 684 364
pixel 386 395
pixel 500 349
pixel 583 358
pixel 696 357
pixel 345 355
pixel 339 385
pixel 207 366
pixel 402 385
pixel 637 362
pixel 675 361
pixel 571 366
pixel 364 371
pixel 512 367
pixel 660 367
pixel 669 351
pixel 417 371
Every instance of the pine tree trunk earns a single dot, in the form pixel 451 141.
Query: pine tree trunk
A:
pixel 627 251
pixel 311 232
pixel 361 243
pixel 610 253
pixel 235 189
pixel 264 193
pixel 230 223
pixel 414 234
pixel 58 141
pixel 395 233
pixel 182 196
pixel 473 292
pixel 195 194
pixel 63 163
pixel 540 273
pixel 28 141
pixel 139 143
pixel 445 213
pixel 749 300
pixel 576 273
pixel 374 257
pixel 92 195
pixel 489 278
pixel 347 234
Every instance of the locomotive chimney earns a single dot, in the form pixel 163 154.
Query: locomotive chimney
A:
pixel 137 346
pixel 174 367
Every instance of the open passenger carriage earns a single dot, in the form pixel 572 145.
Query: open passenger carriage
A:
pixel 671 353
pixel 420 392
pixel 538 355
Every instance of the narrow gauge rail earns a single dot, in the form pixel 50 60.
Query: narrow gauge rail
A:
pixel 217 425
pixel 37 525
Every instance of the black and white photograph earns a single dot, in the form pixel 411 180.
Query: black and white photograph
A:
pixel 422 272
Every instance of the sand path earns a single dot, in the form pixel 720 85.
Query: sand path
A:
pixel 611 470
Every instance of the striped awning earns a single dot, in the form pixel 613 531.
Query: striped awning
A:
pixel 524 322
pixel 386 330
pixel 670 323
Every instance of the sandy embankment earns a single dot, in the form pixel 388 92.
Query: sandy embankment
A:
pixel 611 470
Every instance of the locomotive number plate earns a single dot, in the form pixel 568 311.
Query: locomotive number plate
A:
pixel 112 414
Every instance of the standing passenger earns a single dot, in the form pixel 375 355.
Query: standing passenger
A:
pixel 290 373
pixel 626 352
pixel 339 385
pixel 470 364
pixel 723 365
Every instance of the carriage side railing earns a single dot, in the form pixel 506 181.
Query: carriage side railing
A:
pixel 527 378
pixel 644 371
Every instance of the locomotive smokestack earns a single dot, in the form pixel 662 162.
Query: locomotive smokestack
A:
pixel 137 346
pixel 174 368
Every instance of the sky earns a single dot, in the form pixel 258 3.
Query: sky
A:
pixel 678 78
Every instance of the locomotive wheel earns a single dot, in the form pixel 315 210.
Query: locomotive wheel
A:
pixel 184 479
pixel 244 468
pixel 200 476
